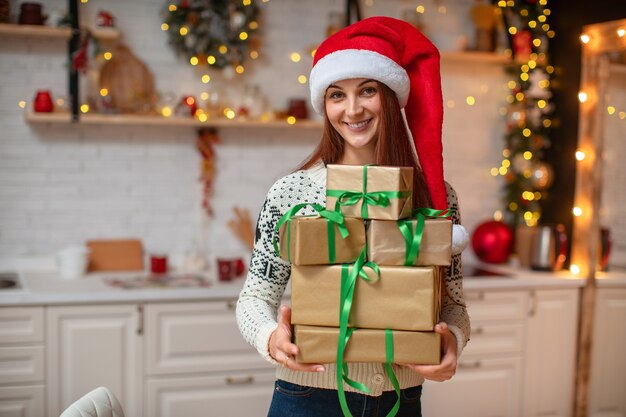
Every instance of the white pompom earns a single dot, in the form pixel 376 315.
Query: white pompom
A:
pixel 460 239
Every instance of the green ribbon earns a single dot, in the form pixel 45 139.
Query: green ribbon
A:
pixel 374 198
pixel 333 219
pixel 348 283
pixel 389 370
pixel 413 240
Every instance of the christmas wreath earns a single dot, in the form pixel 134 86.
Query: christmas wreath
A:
pixel 216 32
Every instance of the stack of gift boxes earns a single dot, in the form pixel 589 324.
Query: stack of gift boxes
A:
pixel 398 253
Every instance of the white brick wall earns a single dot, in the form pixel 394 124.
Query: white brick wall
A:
pixel 65 184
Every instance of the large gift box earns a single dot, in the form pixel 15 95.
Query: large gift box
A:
pixel 395 243
pixel 319 345
pixel 314 240
pixel 371 191
pixel 403 298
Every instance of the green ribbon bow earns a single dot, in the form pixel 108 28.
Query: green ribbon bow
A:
pixel 333 218
pixel 348 283
pixel 413 240
pixel 374 198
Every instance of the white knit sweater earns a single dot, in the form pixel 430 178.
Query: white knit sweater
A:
pixel 268 276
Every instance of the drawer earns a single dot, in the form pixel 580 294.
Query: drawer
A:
pixel 237 395
pixel 22 401
pixel 195 338
pixel 496 305
pixel 21 324
pixel 21 364
pixel 486 387
pixel 490 339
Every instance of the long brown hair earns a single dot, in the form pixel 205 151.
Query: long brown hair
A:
pixel 393 147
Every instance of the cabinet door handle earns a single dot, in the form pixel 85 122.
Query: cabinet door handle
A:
pixel 246 380
pixel 532 308
pixel 140 320
pixel 472 365
pixel 231 304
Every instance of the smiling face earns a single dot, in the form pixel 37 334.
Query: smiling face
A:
pixel 353 108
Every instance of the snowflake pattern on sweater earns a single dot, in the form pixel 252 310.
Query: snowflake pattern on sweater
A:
pixel 268 277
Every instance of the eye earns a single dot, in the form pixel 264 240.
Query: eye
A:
pixel 334 94
pixel 369 90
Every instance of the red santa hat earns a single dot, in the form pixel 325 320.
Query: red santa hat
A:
pixel 398 55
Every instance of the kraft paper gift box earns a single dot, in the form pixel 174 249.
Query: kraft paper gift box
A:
pixel 307 242
pixel 319 345
pixel 386 245
pixel 396 181
pixel 404 298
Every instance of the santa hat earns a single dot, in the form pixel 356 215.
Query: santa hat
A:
pixel 398 55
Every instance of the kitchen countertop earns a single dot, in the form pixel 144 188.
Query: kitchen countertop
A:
pixel 44 287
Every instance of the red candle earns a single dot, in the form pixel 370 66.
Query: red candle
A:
pixel 158 264
pixel 43 102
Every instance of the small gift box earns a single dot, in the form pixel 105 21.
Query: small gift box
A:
pixel 403 243
pixel 314 240
pixel 319 345
pixel 402 298
pixel 370 191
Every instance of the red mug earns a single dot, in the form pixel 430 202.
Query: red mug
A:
pixel 225 269
pixel 229 268
pixel 158 264
pixel 43 102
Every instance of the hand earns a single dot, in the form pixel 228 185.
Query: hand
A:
pixel 281 348
pixel 447 368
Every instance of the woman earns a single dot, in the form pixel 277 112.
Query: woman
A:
pixel 361 78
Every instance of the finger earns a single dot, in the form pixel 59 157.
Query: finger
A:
pixel 288 361
pixel 283 337
pixel 442 328
pixel 305 367
pixel 285 314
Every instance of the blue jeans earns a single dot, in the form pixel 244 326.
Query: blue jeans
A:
pixel 291 400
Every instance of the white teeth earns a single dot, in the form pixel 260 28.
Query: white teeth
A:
pixel 358 125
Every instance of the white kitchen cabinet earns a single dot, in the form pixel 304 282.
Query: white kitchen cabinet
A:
pixel 196 337
pixel 199 365
pixel 489 375
pixel 551 353
pixel 91 346
pixel 22 401
pixel 481 387
pixel 607 397
pixel 235 395
pixel 520 360
pixel 22 362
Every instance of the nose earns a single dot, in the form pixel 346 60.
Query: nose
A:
pixel 355 107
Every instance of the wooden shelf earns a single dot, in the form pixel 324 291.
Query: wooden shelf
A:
pixel 148 120
pixel 35 31
pixel 104 34
pixel 475 56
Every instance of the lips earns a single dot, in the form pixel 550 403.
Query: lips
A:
pixel 358 125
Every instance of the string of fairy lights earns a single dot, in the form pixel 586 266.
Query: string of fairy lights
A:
pixel 529 113
pixel 586 154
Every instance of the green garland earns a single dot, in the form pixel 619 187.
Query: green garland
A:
pixel 215 32
pixel 526 176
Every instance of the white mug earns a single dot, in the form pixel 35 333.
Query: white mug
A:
pixel 72 262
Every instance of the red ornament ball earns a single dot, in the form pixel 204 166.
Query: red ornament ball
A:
pixel 492 242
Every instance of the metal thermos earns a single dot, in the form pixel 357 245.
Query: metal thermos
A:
pixel 548 247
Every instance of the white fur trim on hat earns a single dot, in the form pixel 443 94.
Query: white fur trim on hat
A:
pixel 356 63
